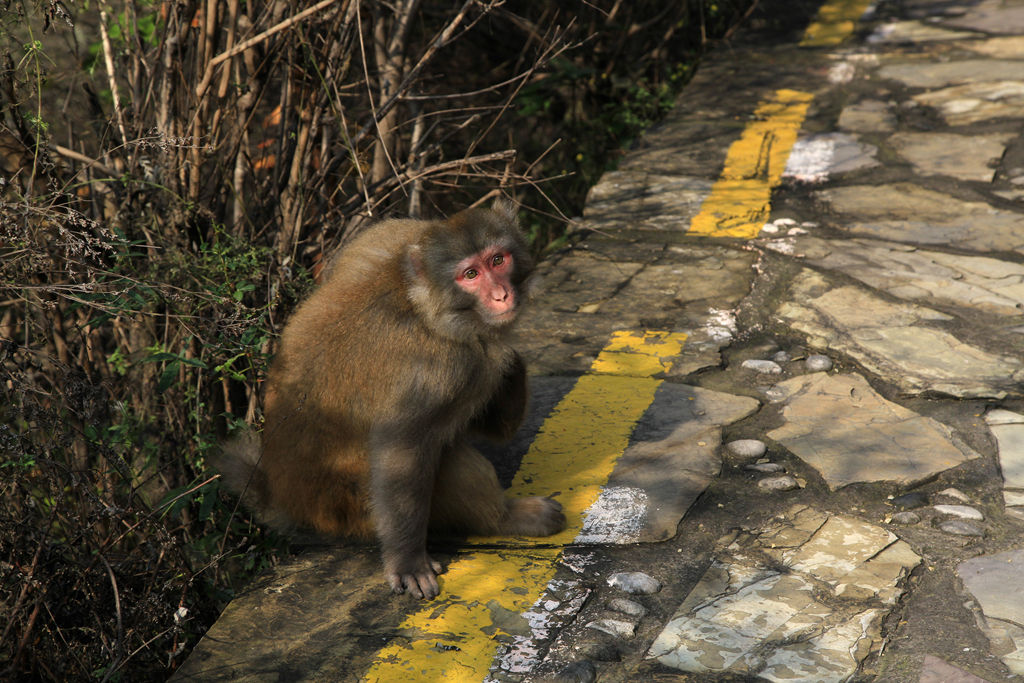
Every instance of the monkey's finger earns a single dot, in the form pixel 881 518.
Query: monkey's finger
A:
pixel 436 566
pixel 427 585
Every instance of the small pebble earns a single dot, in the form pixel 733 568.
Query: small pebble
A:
pixel 783 482
pixel 784 222
pixel 747 448
pixel 782 357
pixel 961 528
pixel 765 367
pixel 909 501
pixel 625 606
pixel 906 517
pixel 955 494
pixel 634 583
pixel 818 363
pixel 577 672
pixel 765 467
pixel 961 511
pixel 614 627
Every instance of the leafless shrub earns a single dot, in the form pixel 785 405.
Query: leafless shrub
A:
pixel 172 176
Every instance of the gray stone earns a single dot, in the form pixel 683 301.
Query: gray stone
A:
pixel 818 363
pixel 765 367
pixel 935 670
pixel 974 282
pixel 634 583
pixel 992 16
pixel 953 494
pixel 643 200
pixel 1003 47
pixel 906 212
pixel 867 116
pixel 906 517
pixel 743 617
pixel 626 606
pixel 765 467
pixel 961 527
pixel 614 627
pixel 967 157
pixel 975 102
pixel 994 581
pixel 746 448
pixel 784 482
pixel 913 32
pixel 896 341
pixel 961 511
pixel 671 460
pixel 782 357
pixel 1008 428
pixel 828 417
pixel 936 74
pixel 816 158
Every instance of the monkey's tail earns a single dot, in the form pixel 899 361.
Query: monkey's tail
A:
pixel 239 467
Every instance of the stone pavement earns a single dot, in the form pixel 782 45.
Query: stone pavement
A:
pixel 810 279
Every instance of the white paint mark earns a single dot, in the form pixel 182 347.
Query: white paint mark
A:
pixel 810 159
pixel 721 325
pixel 617 516
pixel 840 73
pixel 561 600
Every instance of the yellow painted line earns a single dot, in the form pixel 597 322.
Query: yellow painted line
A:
pixel 484 592
pixel 740 200
pixel 834 23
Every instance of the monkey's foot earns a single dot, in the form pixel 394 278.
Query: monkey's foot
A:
pixel 417 575
pixel 536 516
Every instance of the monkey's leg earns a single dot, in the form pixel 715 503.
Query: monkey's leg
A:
pixel 468 497
pixel 401 478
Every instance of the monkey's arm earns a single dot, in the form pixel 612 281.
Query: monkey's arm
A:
pixel 505 411
pixel 402 480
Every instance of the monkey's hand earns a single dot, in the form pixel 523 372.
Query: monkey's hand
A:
pixel 417 575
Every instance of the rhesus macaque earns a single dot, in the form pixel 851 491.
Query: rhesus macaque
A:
pixel 381 376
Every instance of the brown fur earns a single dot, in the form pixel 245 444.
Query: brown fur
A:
pixel 381 374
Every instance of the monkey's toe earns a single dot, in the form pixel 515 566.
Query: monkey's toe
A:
pixel 420 581
pixel 537 516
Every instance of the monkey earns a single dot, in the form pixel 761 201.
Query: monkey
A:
pixel 382 376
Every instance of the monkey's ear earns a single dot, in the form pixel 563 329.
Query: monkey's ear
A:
pixel 414 262
pixel 506 207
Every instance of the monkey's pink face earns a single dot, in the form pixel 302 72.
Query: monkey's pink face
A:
pixel 487 276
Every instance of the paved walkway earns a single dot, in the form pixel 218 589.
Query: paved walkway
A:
pixel 777 386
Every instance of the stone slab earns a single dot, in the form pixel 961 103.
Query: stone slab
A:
pixel 899 342
pixel 867 116
pixel 671 460
pixel 993 16
pixel 931 73
pixel 967 157
pixel 974 282
pixel 936 670
pixel 849 433
pixel 899 32
pixel 788 621
pixel 975 102
pixel 906 212
pixel 994 581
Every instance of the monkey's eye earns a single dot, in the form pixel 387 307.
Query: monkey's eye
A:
pixel 470 274
pixel 497 259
